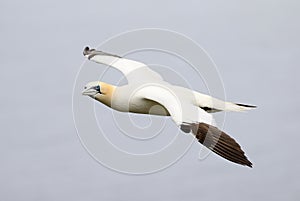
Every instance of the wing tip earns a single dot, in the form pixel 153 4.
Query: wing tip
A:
pixel 87 51
pixel 250 165
pixel 247 162
pixel 221 143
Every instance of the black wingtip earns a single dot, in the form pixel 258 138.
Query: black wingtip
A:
pixel 248 163
pixel 86 50
pixel 244 105
pixel 220 143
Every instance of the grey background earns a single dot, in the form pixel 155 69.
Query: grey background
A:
pixel 255 45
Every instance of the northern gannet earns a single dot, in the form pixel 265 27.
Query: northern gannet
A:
pixel 190 110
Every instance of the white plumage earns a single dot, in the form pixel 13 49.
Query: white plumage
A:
pixel 189 109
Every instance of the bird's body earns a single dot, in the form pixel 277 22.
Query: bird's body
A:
pixel 147 93
pixel 120 101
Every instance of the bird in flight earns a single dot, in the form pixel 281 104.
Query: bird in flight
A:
pixel 190 110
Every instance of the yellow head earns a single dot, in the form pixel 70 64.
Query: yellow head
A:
pixel 100 91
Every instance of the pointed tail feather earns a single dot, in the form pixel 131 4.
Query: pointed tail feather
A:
pixel 237 107
pixel 246 106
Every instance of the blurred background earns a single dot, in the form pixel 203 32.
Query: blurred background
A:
pixel 255 45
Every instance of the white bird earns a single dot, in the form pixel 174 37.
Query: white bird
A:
pixel 189 109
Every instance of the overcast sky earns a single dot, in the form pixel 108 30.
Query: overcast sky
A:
pixel 255 45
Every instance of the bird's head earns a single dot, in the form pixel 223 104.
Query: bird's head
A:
pixel 92 89
pixel 100 91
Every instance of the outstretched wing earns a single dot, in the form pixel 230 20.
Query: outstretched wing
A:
pixel 191 118
pixel 131 69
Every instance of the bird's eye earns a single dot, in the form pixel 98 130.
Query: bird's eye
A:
pixel 97 88
pixel 84 87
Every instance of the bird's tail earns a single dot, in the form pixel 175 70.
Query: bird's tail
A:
pixel 238 107
pixel 220 143
pixel 211 104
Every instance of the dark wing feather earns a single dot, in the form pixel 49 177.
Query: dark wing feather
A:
pixel 220 143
